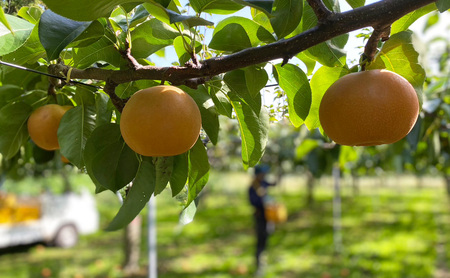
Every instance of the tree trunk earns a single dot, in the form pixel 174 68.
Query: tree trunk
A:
pixel 447 183
pixel 66 180
pixel 420 182
pixel 132 246
pixel 310 188
pixel 355 184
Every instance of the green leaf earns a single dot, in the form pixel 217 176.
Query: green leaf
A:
pixel 309 63
pixel 109 161
pixel 237 83
pixel 305 147
pixel 12 41
pixel 432 20
pixel 296 86
pixel 34 98
pixel 237 33
pixel 442 5
pixel 333 5
pixel 309 20
pixel 100 137
pixel 9 93
pixel 320 82
pixel 31 14
pixel 119 21
pixel 398 55
pixel 24 79
pixel 13 126
pixel 115 165
pixel 128 7
pixel 183 55
pixel 188 213
pixel 84 96
pixel 256 79
pixel 57 32
pixel 85 10
pixel 158 11
pixel 328 54
pixel 180 172
pixel 218 96
pixel 262 19
pixel 42 156
pixel 264 6
pixel 347 154
pixel 414 137
pixel 140 15
pixel 102 109
pixel 287 15
pixel 163 170
pixel 190 21
pixel 74 129
pixel 94 32
pixel 137 197
pixel 356 3
pixel 404 22
pixel 151 36
pixel 30 52
pixel 4 21
pixel 198 171
pixel 210 117
pixel 215 6
pixel 102 50
pixel 254 129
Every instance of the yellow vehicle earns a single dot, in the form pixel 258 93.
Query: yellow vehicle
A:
pixel 53 219
pixel 16 210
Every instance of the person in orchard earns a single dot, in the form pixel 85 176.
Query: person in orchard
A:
pixel 258 197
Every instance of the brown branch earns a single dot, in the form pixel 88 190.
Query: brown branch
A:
pixel 132 62
pixel 110 89
pixel 382 13
pixel 321 11
pixel 379 33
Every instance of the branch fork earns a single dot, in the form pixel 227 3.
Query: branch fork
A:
pixel 321 11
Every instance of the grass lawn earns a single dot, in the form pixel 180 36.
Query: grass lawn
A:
pixel 391 230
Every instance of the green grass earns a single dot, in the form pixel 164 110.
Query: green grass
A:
pixel 394 230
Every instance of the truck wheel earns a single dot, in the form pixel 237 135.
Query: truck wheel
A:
pixel 66 237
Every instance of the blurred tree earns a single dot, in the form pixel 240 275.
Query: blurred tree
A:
pixel 13 6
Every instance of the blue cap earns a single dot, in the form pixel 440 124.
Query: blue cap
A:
pixel 261 169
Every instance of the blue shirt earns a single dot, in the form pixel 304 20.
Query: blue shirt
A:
pixel 256 199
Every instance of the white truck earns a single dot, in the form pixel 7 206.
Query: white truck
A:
pixel 54 219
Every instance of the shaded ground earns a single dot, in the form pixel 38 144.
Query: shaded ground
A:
pixel 397 230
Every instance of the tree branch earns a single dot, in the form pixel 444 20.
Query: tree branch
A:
pixel 321 11
pixel 132 62
pixel 110 89
pixel 370 50
pixel 382 13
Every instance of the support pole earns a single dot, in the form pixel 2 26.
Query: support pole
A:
pixel 152 251
pixel 337 233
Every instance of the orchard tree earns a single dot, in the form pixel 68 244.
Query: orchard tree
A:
pixel 96 57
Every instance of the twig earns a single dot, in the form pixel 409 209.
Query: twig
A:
pixel 132 62
pixel 370 50
pixel 321 11
pixel 110 89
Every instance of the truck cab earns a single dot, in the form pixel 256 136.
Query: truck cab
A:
pixel 54 219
